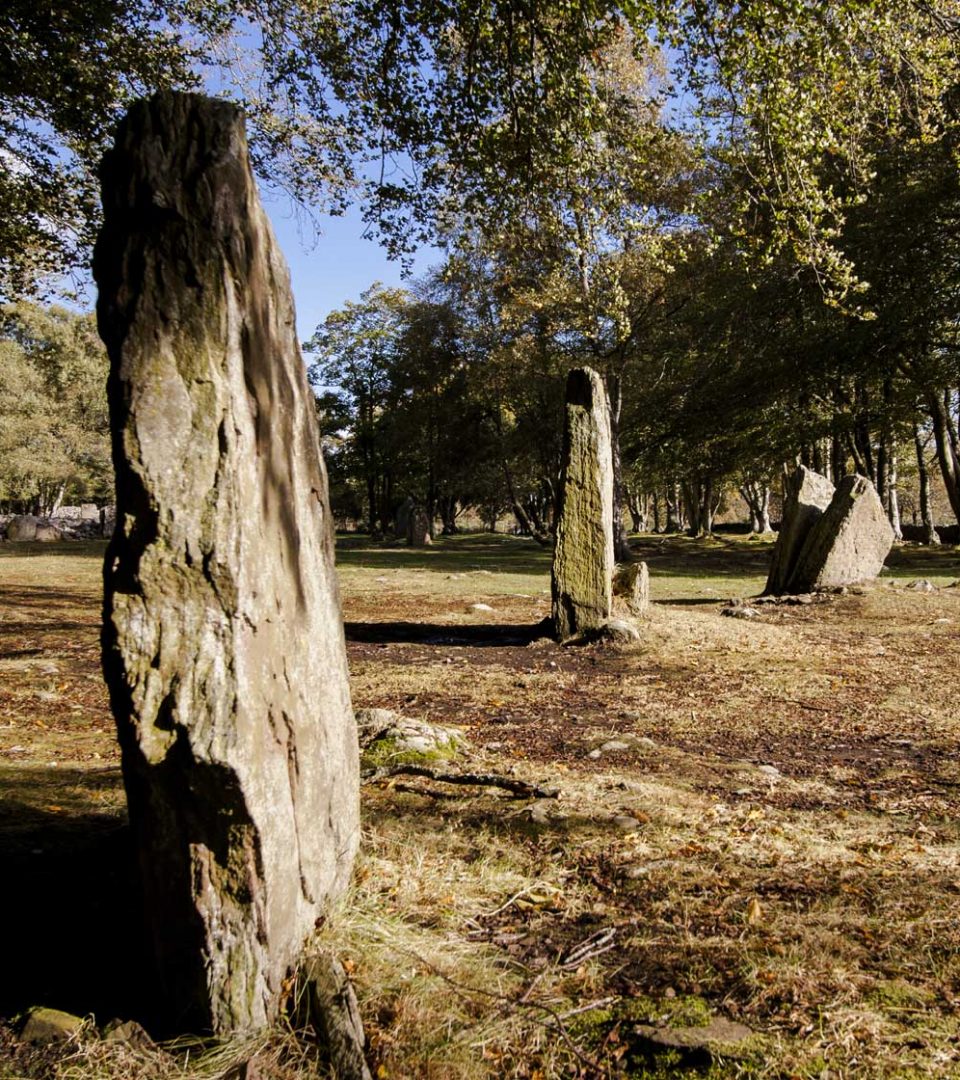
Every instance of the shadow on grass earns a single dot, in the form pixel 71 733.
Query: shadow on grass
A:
pixel 71 935
pixel 497 635
pixel 474 551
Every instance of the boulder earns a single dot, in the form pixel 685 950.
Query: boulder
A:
pixel 582 575
pixel 46 533
pixel 617 632
pixel 89 512
pixel 848 543
pixel 22 528
pixel 223 646
pixel 806 496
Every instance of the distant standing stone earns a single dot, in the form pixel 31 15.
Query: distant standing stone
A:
pixel 806 496
pixel 848 543
pixel 418 528
pixel 631 583
pixel 223 645
pixel 583 557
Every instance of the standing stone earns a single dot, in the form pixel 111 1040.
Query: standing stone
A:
pixel 631 585
pixel 583 556
pixel 848 543
pixel 418 528
pixel 223 645
pixel 108 520
pixel 401 520
pixel 806 495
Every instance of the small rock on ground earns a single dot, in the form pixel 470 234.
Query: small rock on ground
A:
pixel 405 733
pixel 719 1035
pixel 740 612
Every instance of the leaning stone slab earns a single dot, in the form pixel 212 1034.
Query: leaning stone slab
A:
pixel 583 556
pixel 806 496
pixel 848 543
pixel 223 645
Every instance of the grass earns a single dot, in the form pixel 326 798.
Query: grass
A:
pixel 776 841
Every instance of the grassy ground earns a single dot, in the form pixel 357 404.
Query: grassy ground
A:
pixel 771 837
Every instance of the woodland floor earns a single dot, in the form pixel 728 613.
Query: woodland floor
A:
pixel 778 843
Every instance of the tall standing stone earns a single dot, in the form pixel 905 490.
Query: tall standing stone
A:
pixel 583 557
pixel 806 496
pixel 848 543
pixel 223 644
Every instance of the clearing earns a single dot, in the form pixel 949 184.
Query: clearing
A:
pixel 758 821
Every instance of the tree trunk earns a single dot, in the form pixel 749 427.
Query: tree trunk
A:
pixel 673 500
pixel 931 536
pixel 223 646
pixel 946 450
pixel 621 547
pixel 527 527
pixel 893 495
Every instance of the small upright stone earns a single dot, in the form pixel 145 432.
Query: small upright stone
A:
pixel 223 645
pixel 583 557
pixel 631 584
pixel 848 543
pixel 418 528
pixel 806 496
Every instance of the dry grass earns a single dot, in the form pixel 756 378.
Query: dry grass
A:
pixel 778 841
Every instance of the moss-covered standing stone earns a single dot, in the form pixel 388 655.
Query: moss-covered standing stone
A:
pixel 583 557
pixel 223 643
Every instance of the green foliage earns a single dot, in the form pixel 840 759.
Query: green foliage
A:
pixel 54 428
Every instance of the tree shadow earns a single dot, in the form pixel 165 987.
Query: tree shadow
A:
pixel 71 930
pixel 494 635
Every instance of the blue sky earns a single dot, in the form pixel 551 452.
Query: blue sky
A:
pixel 334 266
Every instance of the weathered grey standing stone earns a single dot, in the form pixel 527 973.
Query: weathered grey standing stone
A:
pixel 583 556
pixel 806 496
pixel 108 520
pixel 631 584
pixel 22 528
pixel 418 528
pixel 848 543
pixel 223 644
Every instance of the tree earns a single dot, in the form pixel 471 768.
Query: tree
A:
pixel 54 430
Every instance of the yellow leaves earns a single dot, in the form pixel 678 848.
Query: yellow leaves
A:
pixel 754 912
